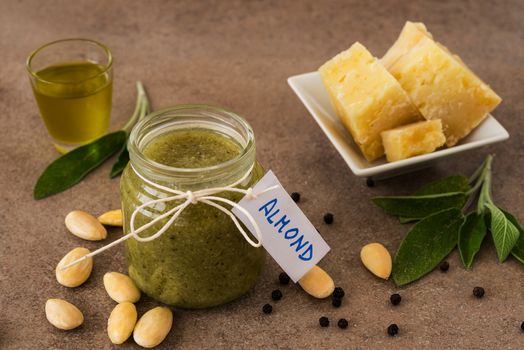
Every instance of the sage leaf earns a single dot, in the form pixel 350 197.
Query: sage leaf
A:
pixel 404 220
pixel 504 233
pixel 518 249
pixel 454 183
pixel 471 235
pixel 426 244
pixel 72 167
pixel 120 164
pixel 418 207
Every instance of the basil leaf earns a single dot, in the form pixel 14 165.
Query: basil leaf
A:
pixel 426 244
pixel 120 163
pixel 72 167
pixel 504 233
pixel 471 235
pixel 419 207
pixel 518 249
pixel 455 183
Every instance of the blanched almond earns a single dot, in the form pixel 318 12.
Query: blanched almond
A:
pixel 121 322
pixel 85 226
pixel 316 282
pixel 121 287
pixel 77 274
pixel 111 218
pixel 62 314
pixel 376 259
pixel 153 327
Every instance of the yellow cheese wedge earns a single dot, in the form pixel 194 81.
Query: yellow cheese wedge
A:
pixel 366 97
pixel 411 35
pixel 439 83
pixel 413 139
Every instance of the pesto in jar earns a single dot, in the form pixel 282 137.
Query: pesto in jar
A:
pixel 202 260
pixel 192 148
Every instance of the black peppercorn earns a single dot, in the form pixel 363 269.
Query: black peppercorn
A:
pixel 276 295
pixel 393 329
pixel 478 292
pixel 338 293
pixel 336 302
pixel 295 196
pixel 267 309
pixel 395 299
pixel 370 182
pixel 522 326
pixel 343 323
pixel 328 218
pixel 283 278
pixel 444 266
pixel 323 321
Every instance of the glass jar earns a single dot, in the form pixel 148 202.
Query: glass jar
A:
pixel 202 260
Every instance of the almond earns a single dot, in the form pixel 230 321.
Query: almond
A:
pixel 317 283
pixel 111 218
pixel 121 287
pixel 121 322
pixel 376 259
pixel 62 314
pixel 85 226
pixel 77 274
pixel 152 328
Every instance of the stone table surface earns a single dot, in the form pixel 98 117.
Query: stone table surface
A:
pixel 239 54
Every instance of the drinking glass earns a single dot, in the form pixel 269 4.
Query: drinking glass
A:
pixel 72 83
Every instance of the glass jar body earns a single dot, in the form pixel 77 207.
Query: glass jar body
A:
pixel 202 260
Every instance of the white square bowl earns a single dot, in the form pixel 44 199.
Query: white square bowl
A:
pixel 310 90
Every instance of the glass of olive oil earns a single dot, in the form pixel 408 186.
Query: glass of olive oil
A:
pixel 72 82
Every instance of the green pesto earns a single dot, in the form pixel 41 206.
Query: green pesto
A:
pixel 202 260
pixel 192 148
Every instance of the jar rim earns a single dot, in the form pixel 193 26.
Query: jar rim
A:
pixel 134 146
pixel 35 52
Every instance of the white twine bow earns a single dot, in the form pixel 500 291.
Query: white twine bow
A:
pixel 205 196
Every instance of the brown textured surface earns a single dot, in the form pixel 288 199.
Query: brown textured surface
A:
pixel 239 54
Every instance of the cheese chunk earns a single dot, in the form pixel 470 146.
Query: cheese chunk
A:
pixel 411 35
pixel 413 139
pixel 366 97
pixel 439 83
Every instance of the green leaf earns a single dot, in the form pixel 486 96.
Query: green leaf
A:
pixel 426 244
pixel 404 220
pixel 420 206
pixel 72 167
pixel 518 249
pixel 471 235
pixel 455 183
pixel 120 163
pixel 505 234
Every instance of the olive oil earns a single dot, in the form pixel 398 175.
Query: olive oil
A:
pixel 74 99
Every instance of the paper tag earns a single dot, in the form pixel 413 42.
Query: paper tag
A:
pixel 287 234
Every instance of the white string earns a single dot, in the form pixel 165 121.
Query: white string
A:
pixel 205 196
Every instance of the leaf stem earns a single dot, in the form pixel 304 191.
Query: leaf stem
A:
pixel 142 106
pixel 479 171
pixel 480 175
pixel 485 192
